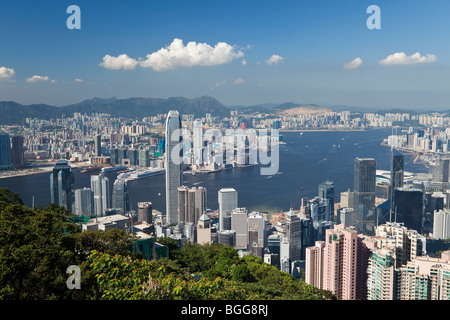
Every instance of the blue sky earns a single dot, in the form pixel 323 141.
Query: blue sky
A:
pixel 311 41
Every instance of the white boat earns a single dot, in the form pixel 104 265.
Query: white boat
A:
pixel 114 168
pixel 140 174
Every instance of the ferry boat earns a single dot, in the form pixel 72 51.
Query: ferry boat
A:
pixel 140 174
pixel 113 168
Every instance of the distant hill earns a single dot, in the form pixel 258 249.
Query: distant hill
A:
pixel 15 113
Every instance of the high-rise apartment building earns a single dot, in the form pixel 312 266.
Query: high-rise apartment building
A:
pixel 382 276
pixel 173 165
pixel 406 243
pixel 339 264
pixel 364 214
pixel 62 185
pixel 441 224
pixel 425 278
pixel 228 201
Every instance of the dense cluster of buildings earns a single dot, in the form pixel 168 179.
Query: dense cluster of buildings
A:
pixel 370 245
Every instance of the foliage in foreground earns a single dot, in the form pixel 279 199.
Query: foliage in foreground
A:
pixel 37 246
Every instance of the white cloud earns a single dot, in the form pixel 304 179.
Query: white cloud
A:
pixel 400 58
pixel 355 63
pixel 6 73
pixel 239 81
pixel 275 59
pixel 78 80
pixel 217 84
pixel 244 62
pixel 122 61
pixel 192 54
pixel 37 78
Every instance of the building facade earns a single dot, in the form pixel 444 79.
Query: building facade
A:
pixel 173 165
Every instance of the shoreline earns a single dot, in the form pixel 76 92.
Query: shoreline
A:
pixel 36 170
pixel 323 130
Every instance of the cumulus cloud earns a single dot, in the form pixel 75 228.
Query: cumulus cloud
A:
pixel 275 59
pixel 239 81
pixel 355 63
pixel 78 80
pixel 122 61
pixel 192 54
pixel 37 78
pixel 400 58
pixel 6 73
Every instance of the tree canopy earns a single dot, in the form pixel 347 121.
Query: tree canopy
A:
pixel 38 245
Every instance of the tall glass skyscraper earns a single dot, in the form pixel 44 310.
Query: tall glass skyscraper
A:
pixel 326 191
pixel 83 202
pixel 5 151
pixel 364 213
pixel 397 172
pixel 17 151
pixel 62 185
pixel 228 201
pixel 120 197
pixel 101 195
pixel 173 165
pixel 198 141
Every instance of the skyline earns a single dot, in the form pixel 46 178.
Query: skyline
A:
pixel 239 53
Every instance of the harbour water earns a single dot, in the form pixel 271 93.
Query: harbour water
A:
pixel 305 161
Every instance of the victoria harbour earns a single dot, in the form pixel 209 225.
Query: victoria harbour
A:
pixel 306 160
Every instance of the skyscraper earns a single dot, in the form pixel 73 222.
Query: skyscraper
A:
pixel 5 151
pixel 98 145
pixel 198 141
pixel 62 185
pixel 326 191
pixel 293 235
pixel 204 230
pixel 191 204
pixel 145 211
pixel 17 151
pixel 83 202
pixel 101 194
pixel 173 165
pixel 409 208
pixel 239 224
pixel 257 229
pixel 120 197
pixel 364 214
pixel 396 181
pixel 228 201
